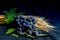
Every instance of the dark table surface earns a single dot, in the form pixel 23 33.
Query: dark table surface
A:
pixel 3 36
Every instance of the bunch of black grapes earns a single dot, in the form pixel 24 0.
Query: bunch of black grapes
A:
pixel 26 25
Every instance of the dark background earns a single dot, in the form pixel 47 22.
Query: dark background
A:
pixel 48 9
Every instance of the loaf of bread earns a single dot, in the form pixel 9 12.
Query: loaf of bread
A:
pixel 2 18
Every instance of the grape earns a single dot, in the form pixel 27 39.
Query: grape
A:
pixel 20 31
pixel 32 18
pixel 33 33
pixel 20 26
pixel 17 20
pixel 39 30
pixel 36 29
pixel 30 26
pixel 30 32
pixel 16 17
pixel 36 33
pixel 24 21
pixel 34 22
pixel 33 26
pixel 19 17
pixel 24 24
pixel 21 21
pixel 27 24
pixel 22 17
pixel 28 19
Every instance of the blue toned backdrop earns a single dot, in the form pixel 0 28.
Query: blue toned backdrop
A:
pixel 48 9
